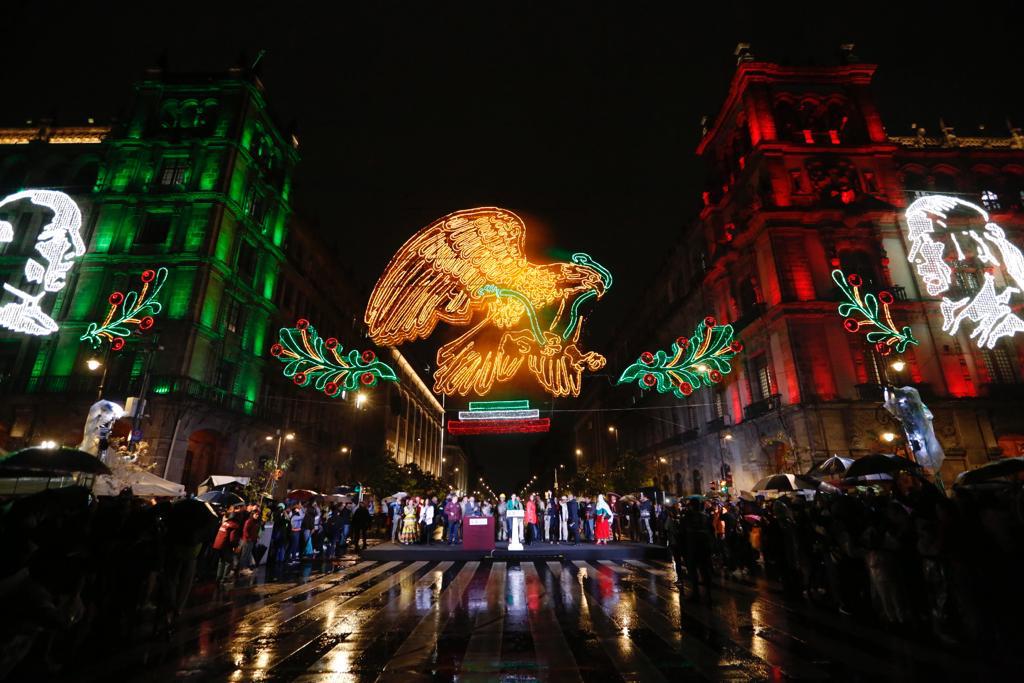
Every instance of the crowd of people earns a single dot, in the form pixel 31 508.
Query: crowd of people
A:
pixel 546 519
pixel 912 558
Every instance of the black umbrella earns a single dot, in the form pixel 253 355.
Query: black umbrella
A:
pixel 53 460
pixel 1007 467
pixel 787 482
pixel 223 498
pixel 189 519
pixel 880 463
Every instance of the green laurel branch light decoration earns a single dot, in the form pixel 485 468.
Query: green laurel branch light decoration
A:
pixel 322 363
pixel 691 363
pixel 137 310
pixel 874 312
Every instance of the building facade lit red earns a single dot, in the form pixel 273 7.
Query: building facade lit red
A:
pixel 802 178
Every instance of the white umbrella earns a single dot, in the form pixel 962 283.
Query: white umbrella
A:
pixel 400 494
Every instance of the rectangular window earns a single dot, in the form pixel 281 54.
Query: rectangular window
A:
pixel 998 365
pixel 247 261
pixel 796 181
pixel 760 378
pixel 173 171
pixel 233 318
pixel 154 230
pixel 223 377
pixel 874 365
pixel 870 182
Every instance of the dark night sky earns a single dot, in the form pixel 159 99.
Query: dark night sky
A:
pixel 582 117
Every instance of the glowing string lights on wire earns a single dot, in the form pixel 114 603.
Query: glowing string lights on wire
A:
pixel 701 360
pixel 137 310
pixel 310 360
pixel 884 335
pixel 935 215
pixel 470 269
pixel 59 243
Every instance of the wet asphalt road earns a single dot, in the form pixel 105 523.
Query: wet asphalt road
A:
pixel 516 621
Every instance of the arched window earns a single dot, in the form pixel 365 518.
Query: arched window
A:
pixel 679 483
pixel 698 481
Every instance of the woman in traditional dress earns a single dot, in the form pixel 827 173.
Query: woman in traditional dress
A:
pixel 410 530
pixel 604 516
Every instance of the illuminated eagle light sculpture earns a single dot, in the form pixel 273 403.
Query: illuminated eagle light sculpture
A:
pixel 469 268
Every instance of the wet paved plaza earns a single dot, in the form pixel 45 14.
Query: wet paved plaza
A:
pixel 517 621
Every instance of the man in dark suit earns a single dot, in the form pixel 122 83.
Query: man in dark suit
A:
pixel 572 508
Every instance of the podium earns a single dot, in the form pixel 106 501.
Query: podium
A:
pixel 478 533
pixel 515 542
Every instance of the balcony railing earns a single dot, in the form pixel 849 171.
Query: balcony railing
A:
pixel 762 407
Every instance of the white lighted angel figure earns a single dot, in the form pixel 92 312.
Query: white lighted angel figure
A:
pixel 59 243
pixel 954 223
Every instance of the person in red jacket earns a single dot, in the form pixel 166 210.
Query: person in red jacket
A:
pixel 226 544
pixel 531 519
pixel 250 535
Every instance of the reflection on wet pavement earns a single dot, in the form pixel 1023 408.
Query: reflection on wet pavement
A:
pixel 516 621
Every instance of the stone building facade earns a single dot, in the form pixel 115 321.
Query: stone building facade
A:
pixel 802 178
pixel 197 178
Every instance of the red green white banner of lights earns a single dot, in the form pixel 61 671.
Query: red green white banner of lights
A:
pixel 309 360
pixel 692 362
pixel 499 417
pixel 862 312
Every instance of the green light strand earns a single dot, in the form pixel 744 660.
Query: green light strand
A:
pixel 137 311
pixel 700 361
pixel 885 334
pixel 310 360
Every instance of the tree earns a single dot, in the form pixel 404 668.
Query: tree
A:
pixel 628 475
pixel 261 473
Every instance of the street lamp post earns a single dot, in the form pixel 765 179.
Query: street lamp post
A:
pixel 95 364
pixel 281 437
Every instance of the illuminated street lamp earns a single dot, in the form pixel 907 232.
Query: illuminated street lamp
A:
pixel 95 364
pixel 281 437
pixel 360 399
pixel 48 445
pixel 898 365
pixel 888 437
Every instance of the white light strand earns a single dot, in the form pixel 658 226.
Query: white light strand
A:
pixel 54 242
pixel 990 309
pixel 499 414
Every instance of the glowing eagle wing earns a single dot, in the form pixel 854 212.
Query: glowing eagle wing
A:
pixel 438 273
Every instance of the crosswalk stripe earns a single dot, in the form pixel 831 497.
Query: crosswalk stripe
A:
pixel 340 658
pixel 410 663
pixel 482 661
pixel 743 640
pixel 628 660
pixel 553 654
